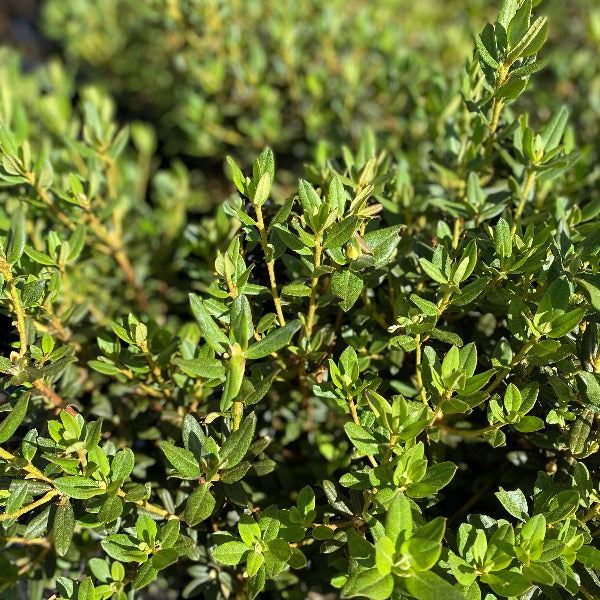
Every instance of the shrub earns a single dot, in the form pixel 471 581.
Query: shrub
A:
pixel 386 381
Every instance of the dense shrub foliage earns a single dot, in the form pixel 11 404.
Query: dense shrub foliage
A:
pixel 382 382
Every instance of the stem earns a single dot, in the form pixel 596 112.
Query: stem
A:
pixel 238 411
pixel 312 307
pixel 29 468
pixel 419 370
pixel 156 372
pixel 150 507
pixel 497 106
pixel 6 271
pixel 25 509
pixel 260 223
pixel 49 393
pixel 521 206
pixel 506 370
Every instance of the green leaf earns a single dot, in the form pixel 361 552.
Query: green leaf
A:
pixel 487 58
pixel 589 388
pixel 589 556
pixel 111 509
pixel 235 374
pixel 297 290
pixel 519 24
pixel 339 233
pixel 237 175
pixel 514 502
pixel 86 590
pixel 230 553
pixel 256 583
pixel 532 41
pixel 184 462
pixel 564 324
pixel 64 526
pixel 263 189
pixel 203 368
pixel 502 239
pixel 308 197
pixel 248 529
pixel 507 583
pixel 14 419
pixel 432 270
pixel 236 445
pixel 213 335
pixel 554 129
pixel 123 547
pixel 17 236
pixel 199 505
pixel 80 488
pixel 347 285
pixel 146 574
pixel 372 584
pixel 426 585
pixel 273 341
pixel 436 477
pixel 363 441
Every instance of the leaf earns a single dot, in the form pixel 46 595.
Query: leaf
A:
pixel 487 58
pixel 426 585
pixel 146 574
pixel 273 341
pixel 263 189
pixel 432 270
pixel 80 488
pixel 564 324
pixel 64 526
pixel 123 547
pixel 533 40
pixel 256 583
pixel 183 460
pixel 14 418
pixel 589 388
pixel 339 233
pixel 248 529
pixel 201 367
pixel 436 477
pixel 308 197
pixel 86 590
pixel 236 445
pixel 213 335
pixel 297 290
pixel 235 374
pixel 519 24
pixel 589 556
pixel 363 441
pixel 372 584
pixel 17 236
pixel 507 12
pixel 230 553
pixel 346 285
pixel 199 505
pixel 554 129
pixel 514 502
pixel 502 239
pixel 76 242
pixel 507 583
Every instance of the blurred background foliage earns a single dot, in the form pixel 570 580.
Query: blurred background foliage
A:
pixel 216 77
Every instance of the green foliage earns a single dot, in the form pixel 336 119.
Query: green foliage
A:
pixel 384 381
